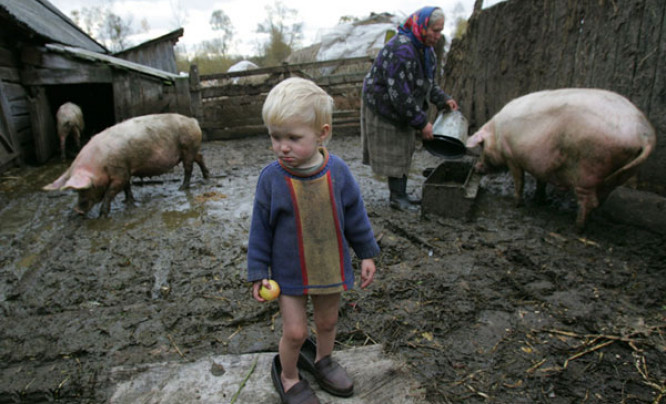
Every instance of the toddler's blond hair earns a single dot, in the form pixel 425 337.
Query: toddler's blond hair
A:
pixel 298 99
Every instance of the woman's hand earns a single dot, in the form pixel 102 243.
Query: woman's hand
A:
pixel 452 104
pixel 426 133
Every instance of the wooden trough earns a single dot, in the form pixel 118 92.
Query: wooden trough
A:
pixel 451 188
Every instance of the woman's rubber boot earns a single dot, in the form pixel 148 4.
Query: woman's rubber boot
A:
pixel 413 201
pixel 398 199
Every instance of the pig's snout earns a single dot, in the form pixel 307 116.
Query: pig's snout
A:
pixel 474 151
pixel 480 167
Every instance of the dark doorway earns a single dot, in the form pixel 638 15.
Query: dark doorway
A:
pixel 95 101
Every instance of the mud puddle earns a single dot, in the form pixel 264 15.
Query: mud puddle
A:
pixel 512 306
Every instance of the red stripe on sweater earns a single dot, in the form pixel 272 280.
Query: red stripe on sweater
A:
pixel 299 233
pixel 338 231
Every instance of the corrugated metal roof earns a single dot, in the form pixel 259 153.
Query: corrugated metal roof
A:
pixel 112 61
pixel 43 18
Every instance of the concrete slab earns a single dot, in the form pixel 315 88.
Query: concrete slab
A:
pixel 377 379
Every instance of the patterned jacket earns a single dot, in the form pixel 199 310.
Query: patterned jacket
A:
pixel 397 87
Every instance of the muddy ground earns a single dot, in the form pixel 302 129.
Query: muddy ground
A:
pixel 511 306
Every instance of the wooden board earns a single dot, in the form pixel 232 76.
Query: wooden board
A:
pixel 8 143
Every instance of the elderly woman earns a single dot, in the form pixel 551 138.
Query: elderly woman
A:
pixel 396 93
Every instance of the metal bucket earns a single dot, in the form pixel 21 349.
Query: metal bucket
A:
pixel 450 132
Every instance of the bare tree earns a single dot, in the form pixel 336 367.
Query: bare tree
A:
pixel 116 30
pixel 180 14
pixel 284 33
pixel 105 26
pixel 89 19
pixel 459 21
pixel 220 22
pixel 347 19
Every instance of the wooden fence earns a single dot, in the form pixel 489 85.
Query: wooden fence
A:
pixel 228 105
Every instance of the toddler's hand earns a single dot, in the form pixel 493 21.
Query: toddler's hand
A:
pixel 367 272
pixel 255 290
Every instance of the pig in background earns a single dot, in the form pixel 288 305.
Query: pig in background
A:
pixel 69 120
pixel 139 147
pixel 588 140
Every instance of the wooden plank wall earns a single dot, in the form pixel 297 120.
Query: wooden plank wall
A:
pixel 159 55
pixel 521 46
pixel 43 125
pixel 136 94
pixel 14 112
pixel 9 151
pixel 228 105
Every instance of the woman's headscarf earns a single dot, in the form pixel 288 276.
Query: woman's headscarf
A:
pixel 415 27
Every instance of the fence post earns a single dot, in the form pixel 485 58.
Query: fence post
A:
pixel 195 95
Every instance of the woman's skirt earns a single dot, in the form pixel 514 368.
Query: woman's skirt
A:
pixel 387 148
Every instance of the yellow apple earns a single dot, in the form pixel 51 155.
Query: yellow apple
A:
pixel 270 293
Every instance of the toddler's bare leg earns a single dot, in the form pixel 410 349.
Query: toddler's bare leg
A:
pixel 326 317
pixel 294 333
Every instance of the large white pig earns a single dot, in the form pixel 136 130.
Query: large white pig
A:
pixel 588 140
pixel 69 120
pixel 139 147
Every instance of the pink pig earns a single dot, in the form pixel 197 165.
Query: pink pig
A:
pixel 590 140
pixel 69 120
pixel 139 147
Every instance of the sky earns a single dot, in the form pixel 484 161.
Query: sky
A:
pixel 163 16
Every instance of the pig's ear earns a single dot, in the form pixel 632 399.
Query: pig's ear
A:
pixel 78 182
pixel 475 144
pixel 476 140
pixel 51 187
pixel 57 184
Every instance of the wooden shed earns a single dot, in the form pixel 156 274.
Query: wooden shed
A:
pixel 158 53
pixel 46 60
